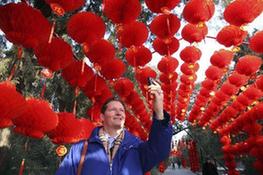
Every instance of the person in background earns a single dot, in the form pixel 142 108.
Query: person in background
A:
pixel 112 150
pixel 209 168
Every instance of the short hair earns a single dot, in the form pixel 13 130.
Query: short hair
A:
pixel 105 104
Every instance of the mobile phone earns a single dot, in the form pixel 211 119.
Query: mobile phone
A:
pixel 150 81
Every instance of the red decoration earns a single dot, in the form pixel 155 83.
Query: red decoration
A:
pixel 248 64
pixel 241 12
pixel 24 25
pixel 194 33
pixel 165 26
pixel 77 73
pixel 93 25
pixel 237 79
pixel 132 34
pixel 190 54
pixel 256 42
pixel 167 64
pixel 70 129
pixel 37 119
pixel 142 74
pixel 166 46
pixel 221 58
pixel 167 78
pixel 229 89
pixel 231 36
pixel 189 69
pixel 197 11
pixel 113 69
pixel 12 104
pixel 100 52
pixel 259 83
pixel 138 56
pixel 59 7
pixel 50 56
pixel 161 6
pixel 122 11
pixel 94 86
pixel 123 87
pixel 213 73
pixel 208 84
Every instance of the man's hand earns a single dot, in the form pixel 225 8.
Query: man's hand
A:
pixel 156 90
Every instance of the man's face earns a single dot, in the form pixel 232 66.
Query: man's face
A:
pixel 114 116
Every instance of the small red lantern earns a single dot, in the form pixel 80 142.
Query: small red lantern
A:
pixel 256 42
pixel 231 36
pixel 194 33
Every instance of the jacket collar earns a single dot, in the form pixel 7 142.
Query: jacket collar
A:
pixel 128 140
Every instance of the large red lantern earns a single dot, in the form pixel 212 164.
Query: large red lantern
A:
pixel 241 12
pixel 197 11
pixel 93 25
pixel 165 26
pixel 122 11
pixel 248 64
pixel 132 34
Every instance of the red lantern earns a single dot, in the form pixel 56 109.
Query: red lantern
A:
pixel 100 52
pixel 113 69
pixel 12 104
pixel 197 11
pixel 24 25
pixel 132 34
pixel 237 79
pixel 37 119
pixel 59 7
pixel 142 74
pixel 122 11
pixel 259 83
pixel 221 58
pixel 229 89
pixel 50 55
pixel 138 56
pixel 231 36
pixel 190 54
pixel 93 25
pixel 248 64
pixel 189 69
pixel 213 73
pixel 256 42
pixel 167 78
pixel 166 46
pixel 161 6
pixel 165 26
pixel 123 87
pixel 208 84
pixel 167 64
pixel 194 33
pixel 77 73
pixel 70 129
pixel 241 12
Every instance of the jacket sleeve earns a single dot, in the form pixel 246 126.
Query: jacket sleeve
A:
pixel 158 146
pixel 70 163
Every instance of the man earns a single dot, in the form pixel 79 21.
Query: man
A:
pixel 209 168
pixel 112 150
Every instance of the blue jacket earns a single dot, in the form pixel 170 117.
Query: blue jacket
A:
pixel 133 157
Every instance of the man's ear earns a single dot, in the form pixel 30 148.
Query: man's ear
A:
pixel 102 117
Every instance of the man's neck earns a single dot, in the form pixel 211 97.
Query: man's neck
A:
pixel 112 131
